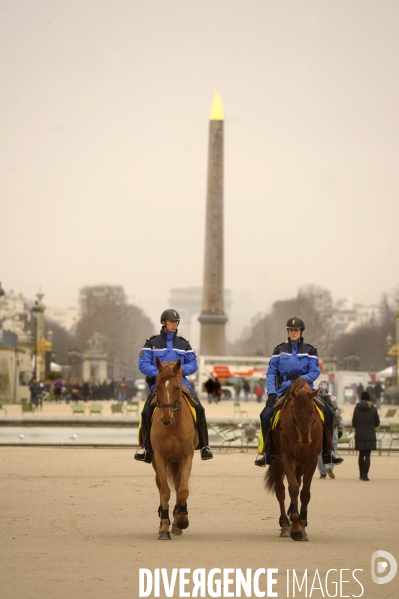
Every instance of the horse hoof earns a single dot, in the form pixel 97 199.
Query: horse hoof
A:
pixel 298 536
pixel 176 530
pixel 164 536
pixel 285 532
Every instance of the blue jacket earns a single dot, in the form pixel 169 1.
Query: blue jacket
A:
pixel 168 347
pixel 292 360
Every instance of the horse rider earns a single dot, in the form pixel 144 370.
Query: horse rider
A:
pixel 169 347
pixel 290 360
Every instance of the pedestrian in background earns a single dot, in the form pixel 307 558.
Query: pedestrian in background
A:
pixel 246 389
pixel 210 387
pixel 365 420
pixel 122 391
pixel 237 389
pixel 332 401
pixel 259 392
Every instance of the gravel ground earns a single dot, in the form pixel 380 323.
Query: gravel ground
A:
pixel 83 522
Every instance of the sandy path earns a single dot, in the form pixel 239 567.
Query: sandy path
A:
pixel 81 522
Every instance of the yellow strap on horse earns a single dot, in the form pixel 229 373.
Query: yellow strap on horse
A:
pixel 192 410
pixel 320 412
pixel 275 421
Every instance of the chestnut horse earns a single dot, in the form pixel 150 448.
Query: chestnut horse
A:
pixel 173 438
pixel 297 443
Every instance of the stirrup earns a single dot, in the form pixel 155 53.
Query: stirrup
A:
pixel 146 455
pixel 261 460
pixel 265 459
pixel 206 453
pixel 330 458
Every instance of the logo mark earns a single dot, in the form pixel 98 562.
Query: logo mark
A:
pixel 381 566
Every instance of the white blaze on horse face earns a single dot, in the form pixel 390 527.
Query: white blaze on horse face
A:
pixel 167 390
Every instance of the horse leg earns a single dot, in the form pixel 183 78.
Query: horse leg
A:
pixel 305 498
pixel 293 488
pixel 279 489
pixel 180 513
pixel 177 481
pixel 164 495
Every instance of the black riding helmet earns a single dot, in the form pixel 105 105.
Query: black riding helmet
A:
pixel 295 322
pixel 170 314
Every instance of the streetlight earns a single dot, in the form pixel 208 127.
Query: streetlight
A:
pixel 392 353
pixel 35 310
pixel 2 293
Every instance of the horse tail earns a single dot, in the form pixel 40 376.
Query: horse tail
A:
pixel 269 481
pixel 172 471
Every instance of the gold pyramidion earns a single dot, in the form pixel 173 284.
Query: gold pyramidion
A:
pixel 217 108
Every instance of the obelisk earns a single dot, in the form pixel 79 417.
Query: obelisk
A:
pixel 212 317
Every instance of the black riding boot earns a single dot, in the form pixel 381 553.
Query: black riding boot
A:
pixel 327 454
pixel 266 458
pixel 145 454
pixel 206 452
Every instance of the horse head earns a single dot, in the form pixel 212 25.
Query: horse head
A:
pixel 303 410
pixel 168 397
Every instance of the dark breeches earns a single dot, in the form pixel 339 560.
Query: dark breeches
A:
pixel 146 414
pixel 266 414
pixel 364 460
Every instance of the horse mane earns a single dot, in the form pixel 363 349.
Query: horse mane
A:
pixel 298 384
pixel 167 372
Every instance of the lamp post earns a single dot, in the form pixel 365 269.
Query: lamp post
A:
pixel 393 354
pixel 2 293
pixel 35 311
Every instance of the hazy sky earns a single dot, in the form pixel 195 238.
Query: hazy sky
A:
pixel 103 151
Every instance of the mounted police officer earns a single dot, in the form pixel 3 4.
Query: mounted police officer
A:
pixel 290 360
pixel 169 347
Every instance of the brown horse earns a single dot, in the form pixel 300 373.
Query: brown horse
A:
pixel 173 438
pixel 298 443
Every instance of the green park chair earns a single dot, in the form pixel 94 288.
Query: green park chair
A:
pixel 380 434
pixel 228 435
pixel 78 408
pixel 390 413
pixel 394 431
pixel 117 408
pixel 95 408
pixel 347 439
pixel 27 408
pixel 238 411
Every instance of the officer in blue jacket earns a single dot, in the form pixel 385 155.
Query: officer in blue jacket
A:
pixel 290 360
pixel 169 347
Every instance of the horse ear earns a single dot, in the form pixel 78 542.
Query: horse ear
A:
pixel 158 363
pixel 177 366
pixel 314 393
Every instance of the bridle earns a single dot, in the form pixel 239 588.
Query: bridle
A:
pixel 298 428
pixel 175 405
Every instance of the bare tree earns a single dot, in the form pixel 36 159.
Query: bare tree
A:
pixel 63 340
pixel 313 304
pixel 124 327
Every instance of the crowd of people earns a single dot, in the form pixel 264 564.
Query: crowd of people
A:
pixel 77 391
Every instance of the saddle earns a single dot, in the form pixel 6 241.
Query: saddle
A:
pixel 188 397
pixel 282 403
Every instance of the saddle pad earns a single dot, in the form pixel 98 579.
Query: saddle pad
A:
pixel 276 419
pixel 193 414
